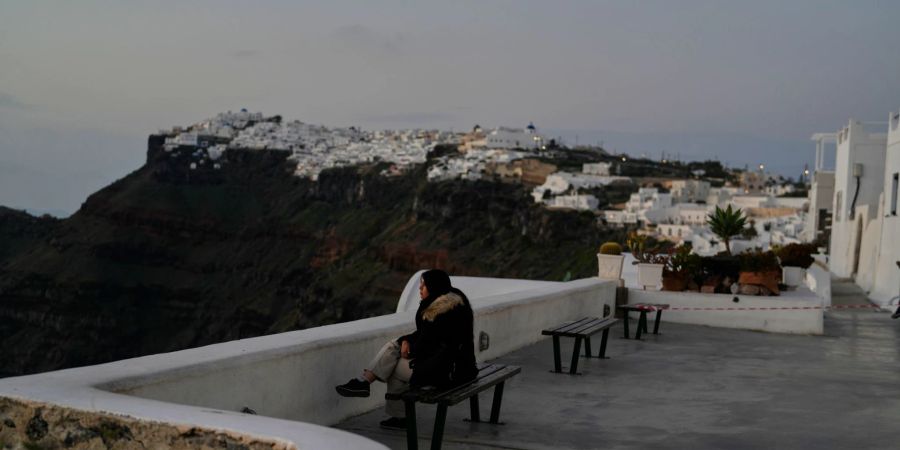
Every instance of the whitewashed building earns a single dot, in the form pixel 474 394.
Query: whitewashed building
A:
pixel 858 186
pixel 885 284
pixel 504 137
pixel 689 191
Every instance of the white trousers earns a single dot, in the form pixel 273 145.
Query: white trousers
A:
pixel 389 367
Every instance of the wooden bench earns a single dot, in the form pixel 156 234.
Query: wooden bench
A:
pixel 643 308
pixel 489 375
pixel 579 329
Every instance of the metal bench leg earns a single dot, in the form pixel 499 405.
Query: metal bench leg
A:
pixel 603 344
pixel 437 436
pixel 474 413
pixel 575 355
pixel 498 399
pixel 557 362
pixel 412 435
pixel 625 322
pixel 642 323
pixel 656 325
pixel 587 347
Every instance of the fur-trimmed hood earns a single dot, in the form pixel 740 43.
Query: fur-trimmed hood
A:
pixel 441 305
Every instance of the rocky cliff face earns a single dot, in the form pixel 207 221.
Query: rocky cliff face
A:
pixel 170 257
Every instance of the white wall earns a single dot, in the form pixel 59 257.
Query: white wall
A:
pixel 855 145
pixel 887 275
pixel 292 375
pixel 808 321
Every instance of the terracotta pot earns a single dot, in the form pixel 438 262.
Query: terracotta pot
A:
pixel 767 279
pixel 674 283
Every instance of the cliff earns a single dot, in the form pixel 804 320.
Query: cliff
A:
pixel 171 257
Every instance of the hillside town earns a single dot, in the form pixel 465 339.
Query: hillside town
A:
pixel 851 209
pixel 669 208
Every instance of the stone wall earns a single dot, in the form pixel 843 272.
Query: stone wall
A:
pixel 34 425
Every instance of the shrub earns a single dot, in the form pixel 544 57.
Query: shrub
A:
pixel 644 253
pixel 797 255
pixel 756 260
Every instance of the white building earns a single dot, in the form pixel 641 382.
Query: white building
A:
pixel 858 186
pixel 689 191
pixel 647 199
pixel 886 280
pixel 525 138
pixel 821 192
pixel 600 168
pixel 679 214
pixel 558 183
pixel 579 202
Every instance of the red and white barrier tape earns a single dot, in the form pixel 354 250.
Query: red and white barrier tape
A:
pixel 774 308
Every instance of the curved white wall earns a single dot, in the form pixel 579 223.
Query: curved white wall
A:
pixel 292 375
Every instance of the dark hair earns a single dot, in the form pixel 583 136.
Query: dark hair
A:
pixel 437 282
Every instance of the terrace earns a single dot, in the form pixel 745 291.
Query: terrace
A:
pixel 698 386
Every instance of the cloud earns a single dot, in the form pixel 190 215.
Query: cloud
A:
pixel 9 101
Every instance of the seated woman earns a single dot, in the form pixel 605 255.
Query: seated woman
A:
pixel 441 352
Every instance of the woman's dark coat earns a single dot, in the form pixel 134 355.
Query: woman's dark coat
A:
pixel 442 348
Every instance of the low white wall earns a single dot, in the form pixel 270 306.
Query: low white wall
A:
pixel 802 321
pixel 818 278
pixel 292 375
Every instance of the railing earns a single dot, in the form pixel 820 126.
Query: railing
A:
pixel 290 377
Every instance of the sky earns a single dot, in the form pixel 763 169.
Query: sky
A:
pixel 83 83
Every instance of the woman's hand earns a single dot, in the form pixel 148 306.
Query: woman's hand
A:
pixel 404 349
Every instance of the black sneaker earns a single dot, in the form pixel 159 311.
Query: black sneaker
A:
pixel 394 423
pixel 896 313
pixel 353 388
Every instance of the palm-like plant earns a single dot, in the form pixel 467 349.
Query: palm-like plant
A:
pixel 727 223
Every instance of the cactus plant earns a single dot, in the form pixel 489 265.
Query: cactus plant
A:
pixel 610 248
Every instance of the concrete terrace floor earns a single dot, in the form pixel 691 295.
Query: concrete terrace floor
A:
pixel 695 387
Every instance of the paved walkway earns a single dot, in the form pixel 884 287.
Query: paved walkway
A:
pixel 697 387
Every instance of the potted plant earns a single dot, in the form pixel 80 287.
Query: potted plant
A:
pixel 719 272
pixel 759 270
pixel 609 262
pixel 650 264
pixel 795 259
pixel 727 223
pixel 680 269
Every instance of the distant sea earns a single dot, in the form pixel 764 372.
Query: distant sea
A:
pixel 58 213
pixel 782 156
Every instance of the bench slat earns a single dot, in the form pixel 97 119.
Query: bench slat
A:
pixel 482 384
pixel 599 326
pixel 431 396
pixel 569 325
pixel 585 329
pixel 587 326
pixel 488 375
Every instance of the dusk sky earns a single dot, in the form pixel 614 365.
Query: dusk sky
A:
pixel 83 83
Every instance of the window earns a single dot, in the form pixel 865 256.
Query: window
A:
pixel 894 183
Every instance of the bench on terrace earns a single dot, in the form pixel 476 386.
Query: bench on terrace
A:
pixel 489 375
pixel 580 329
pixel 643 308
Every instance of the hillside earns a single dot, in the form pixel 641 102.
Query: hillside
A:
pixel 168 258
